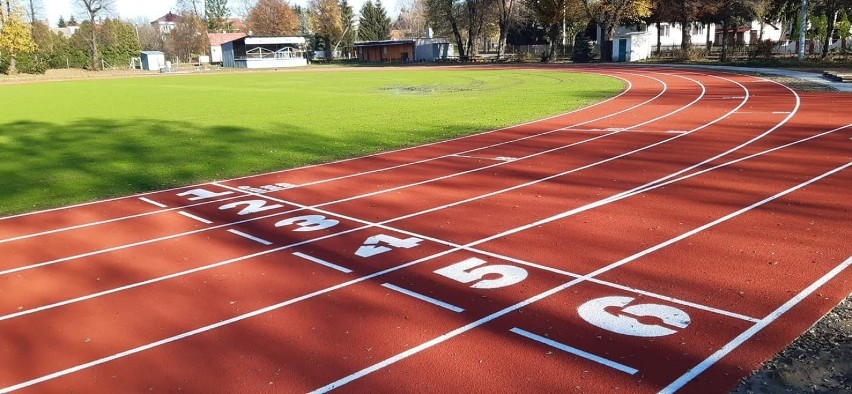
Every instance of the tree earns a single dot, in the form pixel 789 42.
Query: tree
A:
pixel 194 7
pixel 347 18
pixel 326 22
pixel 188 38
pixel 72 21
pixel 412 19
pixel 93 9
pixel 273 18
pixel 448 17
pixel 35 9
pixel 61 22
pixel 118 42
pixel 15 36
pixel 550 15
pixel 609 14
pixel 217 13
pixel 505 15
pixel 374 24
pixel 830 10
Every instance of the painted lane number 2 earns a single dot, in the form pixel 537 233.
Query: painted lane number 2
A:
pixel 371 246
pixel 467 272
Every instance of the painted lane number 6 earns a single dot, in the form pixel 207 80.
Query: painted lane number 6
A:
pixel 466 272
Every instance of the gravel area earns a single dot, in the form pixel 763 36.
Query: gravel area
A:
pixel 819 361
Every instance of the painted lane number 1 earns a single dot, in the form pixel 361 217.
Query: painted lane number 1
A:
pixel 467 272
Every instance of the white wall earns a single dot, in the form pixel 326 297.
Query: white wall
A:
pixel 671 33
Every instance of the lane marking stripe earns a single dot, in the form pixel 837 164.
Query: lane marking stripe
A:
pixel 251 237
pixel 343 285
pixel 423 297
pixel 447 336
pixel 460 247
pixel 191 216
pixel 152 202
pixel 627 89
pixel 322 262
pixel 747 334
pixel 575 351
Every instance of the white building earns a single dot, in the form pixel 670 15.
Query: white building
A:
pixel 637 42
pixel 166 23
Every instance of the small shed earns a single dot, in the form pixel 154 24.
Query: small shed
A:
pixel 216 41
pixel 264 52
pixel 429 49
pixel 631 47
pixel 152 60
pixel 385 51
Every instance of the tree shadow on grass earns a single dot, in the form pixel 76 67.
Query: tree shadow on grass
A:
pixel 47 164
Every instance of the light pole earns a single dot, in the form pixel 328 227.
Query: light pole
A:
pixel 803 21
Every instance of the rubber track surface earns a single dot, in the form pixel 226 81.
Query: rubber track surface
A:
pixel 671 238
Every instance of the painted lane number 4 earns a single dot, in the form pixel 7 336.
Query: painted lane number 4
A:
pixel 472 270
pixel 371 245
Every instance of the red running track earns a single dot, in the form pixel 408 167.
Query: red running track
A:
pixel 671 238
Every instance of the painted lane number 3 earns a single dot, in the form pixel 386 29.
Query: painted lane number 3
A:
pixel 467 272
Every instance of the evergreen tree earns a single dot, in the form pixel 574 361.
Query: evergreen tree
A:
pixel 118 42
pixel 374 23
pixel 61 22
pixel 348 15
pixel 216 12
pixel 72 21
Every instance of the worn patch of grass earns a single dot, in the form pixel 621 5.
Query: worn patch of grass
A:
pixel 68 142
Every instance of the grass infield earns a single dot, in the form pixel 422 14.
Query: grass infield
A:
pixel 70 142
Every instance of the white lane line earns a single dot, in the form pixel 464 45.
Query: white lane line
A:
pixel 627 89
pixel 423 297
pixel 323 262
pixel 134 244
pixel 748 334
pixel 251 237
pixel 118 219
pixel 152 202
pixel 577 352
pixel 425 237
pixel 193 217
pixel 400 356
pixel 548 293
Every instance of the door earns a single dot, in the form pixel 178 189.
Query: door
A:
pixel 622 50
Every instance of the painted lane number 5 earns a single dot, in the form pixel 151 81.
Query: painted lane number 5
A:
pixel 466 272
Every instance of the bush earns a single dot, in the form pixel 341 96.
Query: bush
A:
pixel 583 50
pixel 762 50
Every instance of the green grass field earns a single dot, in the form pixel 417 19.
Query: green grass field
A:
pixel 69 142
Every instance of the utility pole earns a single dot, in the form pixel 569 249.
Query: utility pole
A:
pixel 802 29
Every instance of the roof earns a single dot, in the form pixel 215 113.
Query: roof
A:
pixel 383 43
pixel 217 39
pixel 152 52
pixel 170 17
pixel 261 40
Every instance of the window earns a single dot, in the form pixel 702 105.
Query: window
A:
pixel 697 29
pixel 664 30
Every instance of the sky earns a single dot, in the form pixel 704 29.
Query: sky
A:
pixel 153 9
